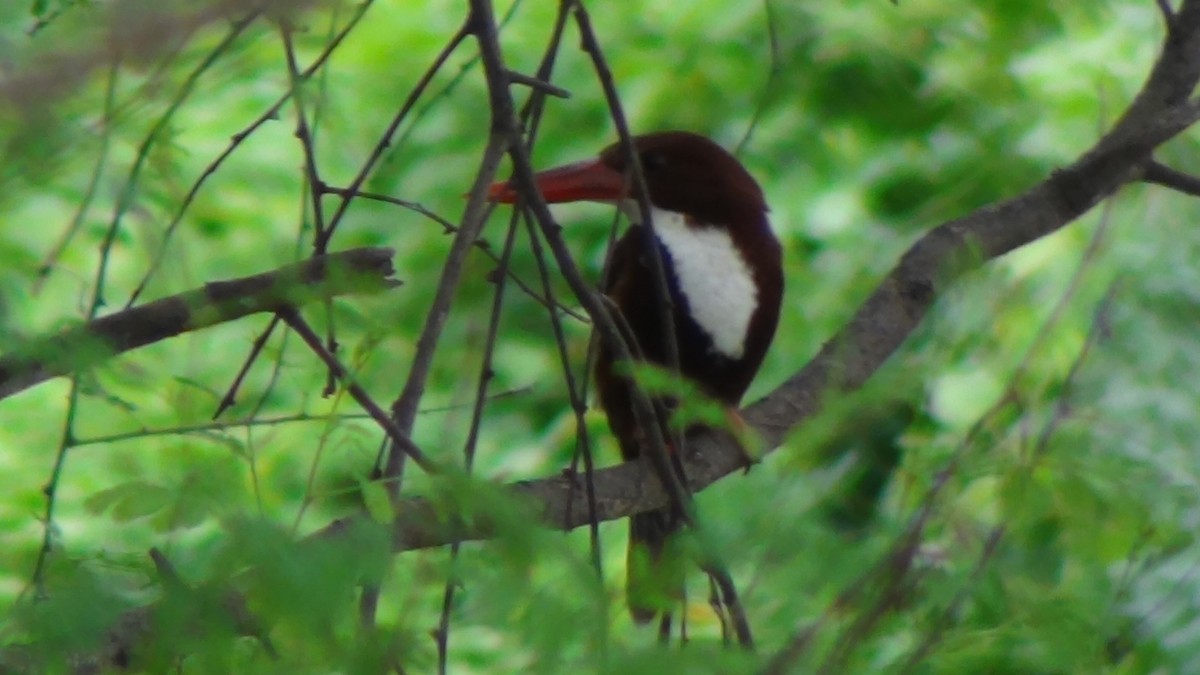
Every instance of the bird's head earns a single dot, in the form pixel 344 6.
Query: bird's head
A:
pixel 685 173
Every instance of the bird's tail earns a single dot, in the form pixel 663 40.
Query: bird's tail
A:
pixel 654 567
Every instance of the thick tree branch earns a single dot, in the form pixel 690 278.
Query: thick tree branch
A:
pixel 882 323
pixel 358 271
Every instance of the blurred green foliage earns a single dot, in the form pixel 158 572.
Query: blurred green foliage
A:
pixel 871 122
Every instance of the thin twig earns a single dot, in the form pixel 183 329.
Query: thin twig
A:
pixel 436 99
pixel 304 133
pixel 130 189
pixel 208 429
pixel 481 244
pixel 484 380
pixel 1160 174
pixel 397 436
pixel 666 307
pixel 89 193
pixel 389 464
pixel 576 394
pixel 774 68
pixel 312 176
pixel 404 409
pixel 236 141
pixel 65 441
pixel 229 398
pixel 386 138
pixel 272 113
pixel 530 117
pixel 536 83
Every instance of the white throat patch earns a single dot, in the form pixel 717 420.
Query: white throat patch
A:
pixel 713 277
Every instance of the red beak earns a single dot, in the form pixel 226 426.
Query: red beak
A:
pixel 589 180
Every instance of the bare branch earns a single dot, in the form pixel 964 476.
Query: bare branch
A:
pixel 1160 174
pixel 358 271
pixel 404 409
pixel 534 83
pixel 395 434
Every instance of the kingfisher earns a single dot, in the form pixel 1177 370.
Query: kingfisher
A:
pixel 724 273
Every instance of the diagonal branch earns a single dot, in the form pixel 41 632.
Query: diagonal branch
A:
pixel 1161 174
pixel 395 435
pixel 357 271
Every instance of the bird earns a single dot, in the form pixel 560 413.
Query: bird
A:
pixel 724 273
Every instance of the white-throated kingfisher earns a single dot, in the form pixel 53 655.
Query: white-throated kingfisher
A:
pixel 724 274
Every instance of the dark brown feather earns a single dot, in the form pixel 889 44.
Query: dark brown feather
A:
pixel 691 175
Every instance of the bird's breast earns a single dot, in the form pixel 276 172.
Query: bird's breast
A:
pixel 713 278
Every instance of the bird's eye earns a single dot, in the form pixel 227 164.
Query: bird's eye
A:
pixel 653 161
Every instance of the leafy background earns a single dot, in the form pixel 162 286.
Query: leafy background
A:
pixel 871 122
